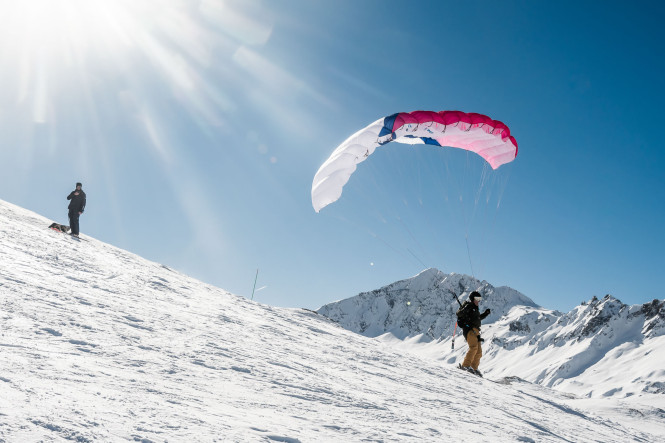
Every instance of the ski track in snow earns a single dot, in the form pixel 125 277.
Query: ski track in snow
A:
pixel 98 344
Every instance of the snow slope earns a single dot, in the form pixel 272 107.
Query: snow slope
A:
pixel 98 344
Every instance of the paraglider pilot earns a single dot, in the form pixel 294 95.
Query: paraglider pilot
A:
pixel 471 330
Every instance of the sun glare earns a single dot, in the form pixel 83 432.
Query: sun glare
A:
pixel 62 25
pixel 60 56
pixel 51 48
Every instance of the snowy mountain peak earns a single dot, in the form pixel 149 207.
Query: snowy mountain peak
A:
pixel 595 315
pixel 654 315
pixel 421 305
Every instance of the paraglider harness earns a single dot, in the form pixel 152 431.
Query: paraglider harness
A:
pixel 463 315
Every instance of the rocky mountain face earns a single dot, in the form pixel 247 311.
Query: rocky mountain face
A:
pixel 602 347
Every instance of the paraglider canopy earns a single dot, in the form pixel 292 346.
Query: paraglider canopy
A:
pixel 477 133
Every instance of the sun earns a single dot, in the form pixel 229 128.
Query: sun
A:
pixel 64 27
pixel 50 49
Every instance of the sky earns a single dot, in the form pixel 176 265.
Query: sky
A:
pixel 197 128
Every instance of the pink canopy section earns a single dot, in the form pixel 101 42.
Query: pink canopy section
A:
pixel 473 132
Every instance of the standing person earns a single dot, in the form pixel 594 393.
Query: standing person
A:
pixel 76 207
pixel 469 319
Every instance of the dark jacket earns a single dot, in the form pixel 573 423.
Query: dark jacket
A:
pixel 77 203
pixel 472 315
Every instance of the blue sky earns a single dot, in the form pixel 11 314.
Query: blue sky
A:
pixel 197 128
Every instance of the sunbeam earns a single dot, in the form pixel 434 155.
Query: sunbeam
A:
pixel 105 88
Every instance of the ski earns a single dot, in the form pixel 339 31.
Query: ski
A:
pixel 470 370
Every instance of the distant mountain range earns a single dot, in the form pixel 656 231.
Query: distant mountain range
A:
pixel 601 348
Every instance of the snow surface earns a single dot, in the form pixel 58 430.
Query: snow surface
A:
pixel 98 344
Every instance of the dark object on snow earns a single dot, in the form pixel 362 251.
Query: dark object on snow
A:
pixel 76 207
pixel 58 227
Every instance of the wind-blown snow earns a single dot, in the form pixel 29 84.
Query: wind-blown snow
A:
pixel 98 344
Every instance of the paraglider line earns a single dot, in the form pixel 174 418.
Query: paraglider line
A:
pixel 413 237
pixel 421 262
pixel 468 251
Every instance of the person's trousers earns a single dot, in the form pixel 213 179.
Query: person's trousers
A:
pixel 474 353
pixel 74 222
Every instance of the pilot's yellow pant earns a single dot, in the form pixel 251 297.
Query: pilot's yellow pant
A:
pixel 475 351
